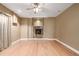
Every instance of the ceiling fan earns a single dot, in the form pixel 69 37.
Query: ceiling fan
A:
pixel 36 7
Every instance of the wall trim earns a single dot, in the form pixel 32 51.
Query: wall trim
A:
pixel 66 45
pixel 37 39
pixel 15 42
pixel 31 39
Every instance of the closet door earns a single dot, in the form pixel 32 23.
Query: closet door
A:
pixel 1 32
pixel 4 31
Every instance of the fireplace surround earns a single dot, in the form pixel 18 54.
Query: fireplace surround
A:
pixel 38 24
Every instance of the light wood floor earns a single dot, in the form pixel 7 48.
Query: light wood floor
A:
pixel 37 48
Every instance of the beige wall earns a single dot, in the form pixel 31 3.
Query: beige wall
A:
pixel 49 27
pixel 24 28
pixel 15 30
pixel 27 28
pixel 67 26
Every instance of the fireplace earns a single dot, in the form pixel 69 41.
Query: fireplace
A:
pixel 38 30
pixel 38 24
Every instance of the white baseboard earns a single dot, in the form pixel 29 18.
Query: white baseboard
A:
pixel 37 39
pixel 76 51
pixel 32 39
pixel 15 42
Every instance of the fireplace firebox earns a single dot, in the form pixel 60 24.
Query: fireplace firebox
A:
pixel 38 31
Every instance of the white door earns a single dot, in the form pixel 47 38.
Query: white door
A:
pixel 4 31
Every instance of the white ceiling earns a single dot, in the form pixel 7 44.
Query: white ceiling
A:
pixel 51 9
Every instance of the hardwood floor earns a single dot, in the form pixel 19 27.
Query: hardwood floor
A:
pixel 37 48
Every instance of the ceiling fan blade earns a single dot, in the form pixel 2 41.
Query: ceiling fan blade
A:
pixel 30 8
pixel 45 9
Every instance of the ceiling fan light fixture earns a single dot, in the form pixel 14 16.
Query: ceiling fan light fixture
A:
pixel 36 10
